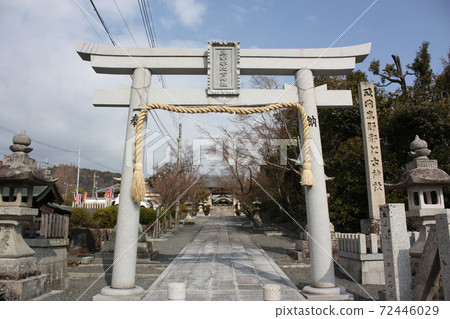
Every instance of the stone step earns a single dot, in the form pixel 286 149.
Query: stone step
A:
pixel 138 266
pixel 102 269
pixel 84 275
pixel 222 211
pixel 54 295
pixel 100 259
pixel 108 261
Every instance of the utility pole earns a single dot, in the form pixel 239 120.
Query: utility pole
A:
pixel 177 207
pixel 93 187
pixel 46 169
pixel 78 171
pixel 180 130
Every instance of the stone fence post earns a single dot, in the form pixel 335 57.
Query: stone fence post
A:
pixel 395 245
pixel 443 242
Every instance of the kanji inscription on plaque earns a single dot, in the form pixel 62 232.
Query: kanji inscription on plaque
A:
pixel 223 68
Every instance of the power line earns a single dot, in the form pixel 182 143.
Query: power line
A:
pixel 147 19
pixel 103 23
pixel 151 38
pixel 126 24
pixel 156 122
pixel 146 14
pixel 147 26
pixel 37 141
pixel 150 34
pixel 98 163
pixel 60 149
pixel 86 20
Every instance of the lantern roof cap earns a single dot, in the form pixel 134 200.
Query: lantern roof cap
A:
pixel 421 170
pixel 19 167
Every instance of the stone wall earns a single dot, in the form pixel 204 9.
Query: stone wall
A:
pixel 51 254
pixel 86 241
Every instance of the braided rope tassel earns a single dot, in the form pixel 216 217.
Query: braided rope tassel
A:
pixel 307 175
pixel 138 189
pixel 138 183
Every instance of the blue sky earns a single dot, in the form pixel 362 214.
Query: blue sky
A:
pixel 46 89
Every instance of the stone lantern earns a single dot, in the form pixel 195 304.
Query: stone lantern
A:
pixel 200 209
pixel 18 266
pixel 188 220
pixel 256 203
pixel 424 182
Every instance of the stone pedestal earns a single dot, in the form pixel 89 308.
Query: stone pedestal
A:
pixel 19 272
pixel 443 242
pixel 337 293
pixel 200 210
pixel 301 249
pixel 395 246
pixel 257 220
pixel 188 220
pixel 12 220
pixel 51 255
pixel 144 248
pixel 200 213
pixel 425 282
pixel 119 294
pixel 423 219
pixel 25 288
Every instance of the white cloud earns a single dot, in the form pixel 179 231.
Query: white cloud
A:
pixel 46 88
pixel 238 13
pixel 167 22
pixel 311 19
pixel 185 44
pixel 189 12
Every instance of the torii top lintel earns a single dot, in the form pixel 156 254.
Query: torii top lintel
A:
pixel 324 61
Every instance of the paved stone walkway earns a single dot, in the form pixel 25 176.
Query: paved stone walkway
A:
pixel 223 263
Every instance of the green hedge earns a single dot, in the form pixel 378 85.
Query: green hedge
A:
pixel 105 217
pixel 147 216
pixel 80 218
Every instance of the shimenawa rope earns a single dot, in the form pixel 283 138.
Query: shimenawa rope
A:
pixel 138 183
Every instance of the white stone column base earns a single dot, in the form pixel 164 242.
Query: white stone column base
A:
pixel 116 294
pixel 326 294
pixel 176 291
pixel 272 292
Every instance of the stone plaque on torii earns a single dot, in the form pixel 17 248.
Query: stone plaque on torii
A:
pixel 223 62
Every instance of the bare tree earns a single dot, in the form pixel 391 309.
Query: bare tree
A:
pixel 175 183
pixel 265 82
pixel 252 156
pixel 241 166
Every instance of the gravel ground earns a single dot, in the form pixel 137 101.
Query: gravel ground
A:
pixel 299 272
pixel 275 246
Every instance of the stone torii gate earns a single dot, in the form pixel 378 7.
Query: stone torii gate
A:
pixel 223 62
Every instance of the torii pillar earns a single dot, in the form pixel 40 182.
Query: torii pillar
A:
pixel 224 62
pixel 123 278
pixel 322 267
